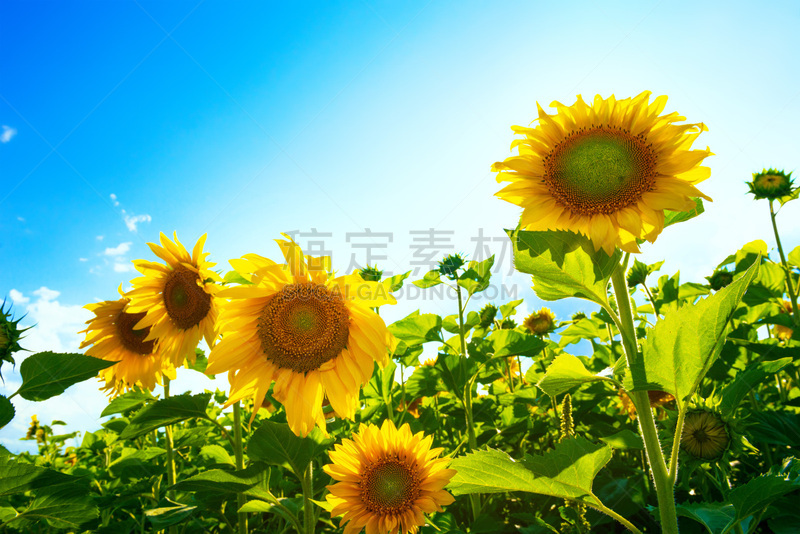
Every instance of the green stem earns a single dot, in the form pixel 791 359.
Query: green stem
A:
pixel 647 426
pixel 611 513
pixel 241 499
pixel 170 456
pixel 652 299
pixel 474 498
pixel 789 283
pixel 676 446
pixel 308 488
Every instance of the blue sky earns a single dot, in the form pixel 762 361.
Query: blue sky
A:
pixel 124 119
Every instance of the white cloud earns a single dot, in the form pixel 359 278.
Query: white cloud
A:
pixel 46 294
pixel 21 219
pixel 119 250
pixel 8 133
pixel 17 297
pixel 120 267
pixel 114 199
pixel 83 259
pixel 132 220
pixel 100 237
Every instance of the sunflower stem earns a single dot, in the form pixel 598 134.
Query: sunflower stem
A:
pixel 676 446
pixel 170 456
pixel 647 426
pixel 241 499
pixel 611 513
pixel 308 489
pixel 474 498
pixel 789 284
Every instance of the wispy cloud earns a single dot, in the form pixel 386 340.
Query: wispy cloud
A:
pixel 56 325
pixel 114 199
pixel 83 259
pixel 120 267
pixel 100 237
pixel 132 220
pixel 8 133
pixel 119 250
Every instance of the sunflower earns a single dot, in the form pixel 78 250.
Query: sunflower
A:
pixel 606 170
pixel 112 335
pixel 540 322
pixel 177 297
pixel 771 184
pixel 386 479
pixel 312 334
pixel 705 436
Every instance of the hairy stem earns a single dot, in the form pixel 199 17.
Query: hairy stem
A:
pixel 789 283
pixel 170 456
pixel 239 457
pixel 308 490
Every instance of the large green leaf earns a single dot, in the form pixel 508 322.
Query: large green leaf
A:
pixel 137 463
pixel 431 278
pixel 395 282
pixel 6 411
pixel 563 264
pixel 47 374
pixel 745 381
pixel 567 471
pixel 476 278
pixel 166 516
pixel 248 481
pixel 564 373
pixel 675 217
pixel 512 343
pixel 715 516
pixel 275 444
pixel 760 492
pixel 18 477
pixel 680 349
pixel 166 412
pixel 128 401
pixel 416 329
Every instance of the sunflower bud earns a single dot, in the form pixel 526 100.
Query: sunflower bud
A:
pixel 10 334
pixel 541 322
pixel 508 324
pixel 705 435
pixel 719 279
pixel 488 313
pixel 371 274
pixel 577 316
pixel 771 184
pixel 450 265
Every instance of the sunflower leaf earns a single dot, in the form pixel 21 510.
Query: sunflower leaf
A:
pixel 477 276
pixel 566 472
pixel 675 217
pixel 417 329
pixel 166 412
pixel 431 278
pixel 275 444
pixel 6 411
pixel 760 492
pixel 166 516
pixel 566 372
pixel 715 516
pixel 127 402
pixel 681 348
pixel 564 264
pixel 512 343
pixel 47 374
pixel 745 381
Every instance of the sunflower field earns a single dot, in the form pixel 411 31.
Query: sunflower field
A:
pixel 684 417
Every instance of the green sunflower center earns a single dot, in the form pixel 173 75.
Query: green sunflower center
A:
pixel 303 326
pixel 704 435
pixel 131 338
pixel 389 486
pixel 186 302
pixel 600 170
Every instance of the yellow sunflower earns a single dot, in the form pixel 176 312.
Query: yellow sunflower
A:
pixel 606 170
pixel 178 298
pixel 386 479
pixel 540 322
pixel 111 335
pixel 312 334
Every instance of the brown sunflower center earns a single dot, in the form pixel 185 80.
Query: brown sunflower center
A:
pixel 304 326
pixel 186 302
pixel 131 338
pixel 389 486
pixel 601 169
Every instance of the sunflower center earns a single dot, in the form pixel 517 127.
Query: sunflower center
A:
pixel 389 486
pixel 186 302
pixel 700 436
pixel 131 338
pixel 600 170
pixel 303 326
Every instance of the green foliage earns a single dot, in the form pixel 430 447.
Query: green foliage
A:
pixel 680 349
pixel 47 374
pixel 564 265
pixel 275 444
pixel 6 411
pixel 417 329
pixel 166 412
pixel 566 472
pixel 566 372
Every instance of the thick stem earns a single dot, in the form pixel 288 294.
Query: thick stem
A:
pixel 474 498
pixel 789 283
pixel 647 426
pixel 241 499
pixel 170 456
pixel 308 489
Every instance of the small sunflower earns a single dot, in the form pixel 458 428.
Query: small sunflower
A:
pixel 386 479
pixel 705 436
pixel 784 333
pixel 312 334
pixel 178 298
pixel 606 170
pixel 541 322
pixel 720 278
pixel 771 184
pixel 112 335
pixel 10 334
